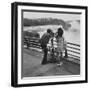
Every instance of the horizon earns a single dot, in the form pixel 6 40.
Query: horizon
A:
pixel 39 15
pixel 50 18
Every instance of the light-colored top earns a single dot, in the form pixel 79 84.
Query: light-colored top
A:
pixel 61 44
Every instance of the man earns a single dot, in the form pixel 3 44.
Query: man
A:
pixel 44 41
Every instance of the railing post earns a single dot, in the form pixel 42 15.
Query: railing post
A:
pixel 66 54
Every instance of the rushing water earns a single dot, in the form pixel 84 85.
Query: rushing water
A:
pixel 71 35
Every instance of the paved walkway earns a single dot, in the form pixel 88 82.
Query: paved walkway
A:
pixel 32 66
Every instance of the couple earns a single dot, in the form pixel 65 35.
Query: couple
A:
pixel 61 44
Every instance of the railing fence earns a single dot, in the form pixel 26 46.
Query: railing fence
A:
pixel 73 49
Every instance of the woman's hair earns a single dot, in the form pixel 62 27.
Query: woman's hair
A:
pixel 60 32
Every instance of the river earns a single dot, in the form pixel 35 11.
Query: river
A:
pixel 71 35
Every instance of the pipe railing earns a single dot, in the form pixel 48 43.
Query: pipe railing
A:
pixel 73 49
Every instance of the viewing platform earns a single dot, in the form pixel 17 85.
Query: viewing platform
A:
pixel 33 55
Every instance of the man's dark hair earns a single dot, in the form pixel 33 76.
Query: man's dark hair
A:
pixel 60 32
pixel 49 30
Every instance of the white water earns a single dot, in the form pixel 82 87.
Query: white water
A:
pixel 72 35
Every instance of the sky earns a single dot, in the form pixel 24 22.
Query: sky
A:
pixel 66 17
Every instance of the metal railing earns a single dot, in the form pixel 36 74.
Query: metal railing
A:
pixel 72 49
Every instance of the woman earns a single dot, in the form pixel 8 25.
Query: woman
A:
pixel 61 44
